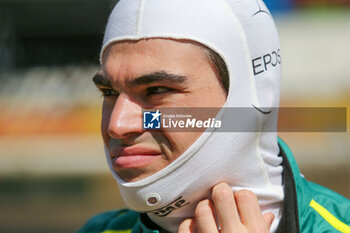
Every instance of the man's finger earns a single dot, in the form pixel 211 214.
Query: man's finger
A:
pixel 249 210
pixel 187 226
pixel 205 217
pixel 268 218
pixel 225 207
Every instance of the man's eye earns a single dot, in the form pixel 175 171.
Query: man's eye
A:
pixel 109 92
pixel 158 90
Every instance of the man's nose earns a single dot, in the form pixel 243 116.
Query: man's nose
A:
pixel 125 118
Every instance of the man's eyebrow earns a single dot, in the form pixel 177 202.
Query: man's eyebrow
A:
pixel 101 80
pixel 157 77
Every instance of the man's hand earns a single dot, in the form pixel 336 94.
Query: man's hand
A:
pixel 237 213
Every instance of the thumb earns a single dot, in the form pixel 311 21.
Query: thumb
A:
pixel 269 217
pixel 187 226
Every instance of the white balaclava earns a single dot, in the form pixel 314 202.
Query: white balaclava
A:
pixel 243 33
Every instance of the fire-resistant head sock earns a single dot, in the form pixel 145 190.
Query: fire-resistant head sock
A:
pixel 243 33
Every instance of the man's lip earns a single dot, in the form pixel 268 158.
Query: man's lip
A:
pixel 134 150
pixel 134 157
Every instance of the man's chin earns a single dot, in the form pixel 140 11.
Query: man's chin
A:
pixel 134 174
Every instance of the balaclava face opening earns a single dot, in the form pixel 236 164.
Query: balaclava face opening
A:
pixel 243 33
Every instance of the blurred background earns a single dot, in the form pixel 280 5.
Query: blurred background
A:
pixel 53 174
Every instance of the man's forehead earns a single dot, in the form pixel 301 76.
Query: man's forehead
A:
pixel 130 59
pixel 155 47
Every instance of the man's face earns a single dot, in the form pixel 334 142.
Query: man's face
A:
pixel 153 73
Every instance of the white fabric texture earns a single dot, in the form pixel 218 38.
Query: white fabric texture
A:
pixel 243 33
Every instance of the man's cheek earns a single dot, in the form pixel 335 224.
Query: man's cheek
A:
pixel 181 141
pixel 105 121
